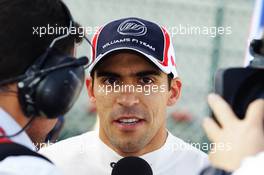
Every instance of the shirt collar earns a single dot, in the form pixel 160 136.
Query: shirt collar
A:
pixel 10 126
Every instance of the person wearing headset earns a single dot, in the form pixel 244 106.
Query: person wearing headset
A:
pixel 39 80
pixel 246 138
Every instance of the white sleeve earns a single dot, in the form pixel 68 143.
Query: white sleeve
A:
pixel 252 166
pixel 27 165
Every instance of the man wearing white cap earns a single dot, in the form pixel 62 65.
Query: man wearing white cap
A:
pixel 133 81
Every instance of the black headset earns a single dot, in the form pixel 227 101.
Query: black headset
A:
pixel 53 83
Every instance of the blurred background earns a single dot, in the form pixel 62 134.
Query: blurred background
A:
pixel 198 54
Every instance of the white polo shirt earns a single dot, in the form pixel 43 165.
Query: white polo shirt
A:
pixel 22 165
pixel 86 154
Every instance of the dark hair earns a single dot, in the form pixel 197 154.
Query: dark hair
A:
pixel 19 47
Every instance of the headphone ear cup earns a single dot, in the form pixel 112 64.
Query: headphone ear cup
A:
pixel 57 92
pixel 53 94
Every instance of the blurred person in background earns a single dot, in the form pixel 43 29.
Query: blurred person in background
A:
pixel 246 138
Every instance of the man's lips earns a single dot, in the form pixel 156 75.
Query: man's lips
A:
pixel 128 122
pixel 128 119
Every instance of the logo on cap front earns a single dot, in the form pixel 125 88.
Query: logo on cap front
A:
pixel 132 27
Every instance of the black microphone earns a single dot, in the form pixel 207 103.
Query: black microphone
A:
pixel 132 166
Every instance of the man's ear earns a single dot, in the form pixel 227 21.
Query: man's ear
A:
pixel 175 91
pixel 89 86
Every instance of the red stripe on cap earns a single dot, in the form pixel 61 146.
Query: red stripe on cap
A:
pixel 167 46
pixel 172 61
pixel 94 43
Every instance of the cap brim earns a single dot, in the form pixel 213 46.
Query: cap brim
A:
pixel 150 57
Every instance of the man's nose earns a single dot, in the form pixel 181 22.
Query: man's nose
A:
pixel 127 99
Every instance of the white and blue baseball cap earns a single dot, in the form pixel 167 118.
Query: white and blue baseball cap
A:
pixel 142 36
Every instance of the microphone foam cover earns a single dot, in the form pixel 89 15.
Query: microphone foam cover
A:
pixel 132 166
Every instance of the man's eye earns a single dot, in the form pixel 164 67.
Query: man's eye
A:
pixel 146 80
pixel 110 81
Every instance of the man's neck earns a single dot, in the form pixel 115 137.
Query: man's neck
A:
pixel 155 143
pixel 10 104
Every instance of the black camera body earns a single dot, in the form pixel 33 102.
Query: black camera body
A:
pixel 240 86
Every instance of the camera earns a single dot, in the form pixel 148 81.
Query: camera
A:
pixel 240 86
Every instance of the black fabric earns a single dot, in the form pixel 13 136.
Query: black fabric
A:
pixel 14 149
pixel 131 166
pixel 214 171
